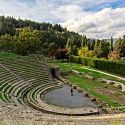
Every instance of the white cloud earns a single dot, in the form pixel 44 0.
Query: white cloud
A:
pixel 38 12
pixel 73 14
pixel 103 24
pixel 15 8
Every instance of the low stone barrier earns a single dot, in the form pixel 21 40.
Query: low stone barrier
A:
pixel 80 90
pixel 93 99
pixel 82 74
pixel 109 82
pixel 74 87
pixel 116 84
pixel 76 72
pixel 89 77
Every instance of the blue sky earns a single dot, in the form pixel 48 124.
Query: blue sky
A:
pixel 95 18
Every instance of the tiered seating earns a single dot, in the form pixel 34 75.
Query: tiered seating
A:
pixel 21 77
pixel 24 79
pixel 35 95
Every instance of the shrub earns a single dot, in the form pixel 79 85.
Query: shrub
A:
pixel 61 54
pixel 111 66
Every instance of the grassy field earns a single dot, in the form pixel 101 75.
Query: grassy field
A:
pixel 102 91
pixel 65 67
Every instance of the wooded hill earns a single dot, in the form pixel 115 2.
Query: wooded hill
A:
pixel 25 36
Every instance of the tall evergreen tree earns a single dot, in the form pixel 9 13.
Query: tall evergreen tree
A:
pixel 101 48
pixel 111 44
pixel 119 46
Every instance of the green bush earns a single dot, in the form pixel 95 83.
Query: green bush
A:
pixel 111 66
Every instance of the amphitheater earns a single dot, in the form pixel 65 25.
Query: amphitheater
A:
pixel 24 81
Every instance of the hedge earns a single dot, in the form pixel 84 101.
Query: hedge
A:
pixel 111 66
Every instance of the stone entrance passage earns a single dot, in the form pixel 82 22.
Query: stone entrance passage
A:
pixel 62 97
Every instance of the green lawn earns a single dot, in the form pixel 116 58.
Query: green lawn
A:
pixel 64 67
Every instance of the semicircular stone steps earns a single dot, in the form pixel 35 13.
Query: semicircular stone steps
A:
pixel 25 80
pixel 34 99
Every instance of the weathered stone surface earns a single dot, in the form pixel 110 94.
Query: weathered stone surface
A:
pixel 76 72
pixel 110 82
pixel 117 85
pixel 80 90
pixel 74 87
pixel 100 106
pixel 89 77
pixel 86 94
pixel 102 80
pixel 122 87
pixel 32 117
pixel 93 99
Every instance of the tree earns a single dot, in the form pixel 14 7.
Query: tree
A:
pixel 61 54
pixel 101 48
pixel 85 52
pixel 6 43
pixel 74 50
pixel 69 45
pixel 119 47
pixel 6 26
pixel 91 44
pixel 58 27
pixel 27 42
pixel 113 55
pixel 84 41
pixel 52 49
pixel 111 44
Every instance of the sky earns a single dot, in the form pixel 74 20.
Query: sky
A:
pixel 93 18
